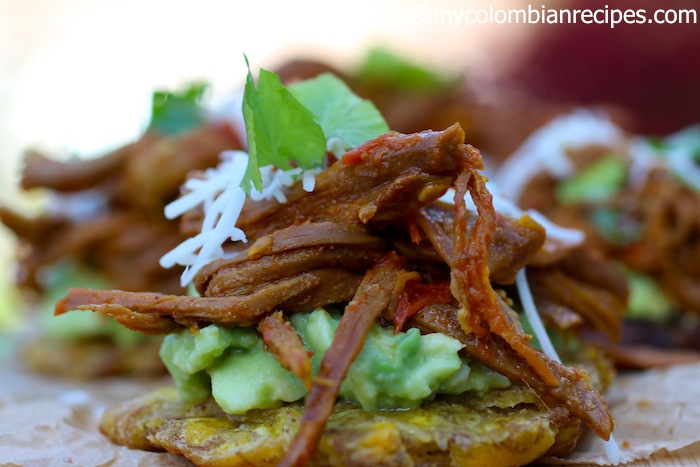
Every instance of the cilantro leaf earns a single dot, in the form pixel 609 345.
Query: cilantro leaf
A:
pixel 385 67
pixel 595 183
pixel 177 111
pixel 339 111
pixel 646 299
pixel 281 131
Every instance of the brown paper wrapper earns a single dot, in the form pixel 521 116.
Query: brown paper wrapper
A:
pixel 657 420
pixel 47 422
pixel 52 422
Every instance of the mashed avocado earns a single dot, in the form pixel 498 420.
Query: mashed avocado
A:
pixel 392 370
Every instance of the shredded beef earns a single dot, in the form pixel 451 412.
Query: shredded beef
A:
pixel 290 251
pixel 515 241
pixel 381 181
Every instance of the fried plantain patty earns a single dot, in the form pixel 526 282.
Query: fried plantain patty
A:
pixel 501 427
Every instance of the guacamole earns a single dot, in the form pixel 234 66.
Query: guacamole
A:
pixel 392 370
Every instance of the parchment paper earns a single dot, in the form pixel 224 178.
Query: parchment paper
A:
pixel 50 422
pixel 656 412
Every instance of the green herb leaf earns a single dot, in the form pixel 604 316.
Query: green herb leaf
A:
pixel 597 182
pixel 387 68
pixel 280 130
pixel 646 299
pixel 657 143
pixel 177 111
pixel 339 111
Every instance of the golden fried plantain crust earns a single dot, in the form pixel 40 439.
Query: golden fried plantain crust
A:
pixel 504 427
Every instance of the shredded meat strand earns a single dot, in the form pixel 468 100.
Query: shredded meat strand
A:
pixel 480 307
pixel 600 308
pixel 415 295
pixel 244 310
pixel 286 345
pixel 373 296
pixel 118 230
pixel 43 171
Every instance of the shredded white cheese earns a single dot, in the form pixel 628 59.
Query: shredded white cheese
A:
pixel 676 157
pixel 612 450
pixel 222 197
pixel 533 316
pixel 337 146
pixel 546 149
